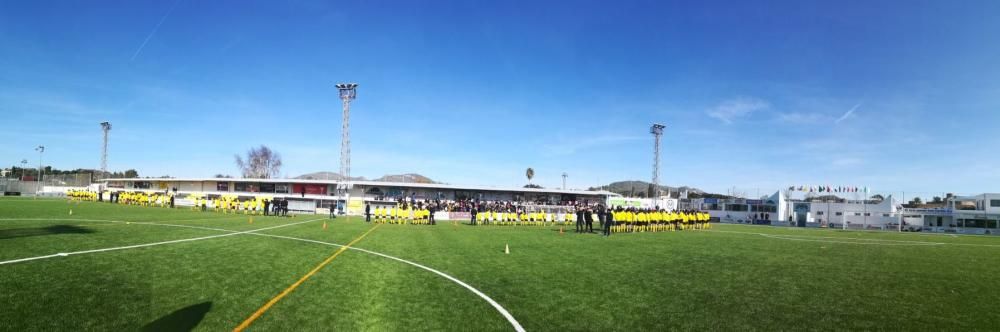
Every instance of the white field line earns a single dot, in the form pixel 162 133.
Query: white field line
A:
pixel 106 220
pixel 510 318
pixel 865 231
pixel 64 254
pixel 846 240
pixel 915 243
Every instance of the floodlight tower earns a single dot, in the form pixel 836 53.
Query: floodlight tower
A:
pixel 40 149
pixel 657 131
pixel 106 127
pixel 564 175
pixel 348 93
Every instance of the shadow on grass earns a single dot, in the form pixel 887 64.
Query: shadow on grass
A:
pixel 50 230
pixel 184 319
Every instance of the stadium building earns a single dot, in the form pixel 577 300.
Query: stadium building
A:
pixel 310 196
pixel 979 214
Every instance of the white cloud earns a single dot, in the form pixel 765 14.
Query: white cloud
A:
pixel 730 110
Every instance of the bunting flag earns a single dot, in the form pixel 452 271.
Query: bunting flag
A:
pixel 830 189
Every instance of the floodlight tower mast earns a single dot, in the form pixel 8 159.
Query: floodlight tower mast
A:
pixel 348 93
pixel 564 175
pixel 106 127
pixel 657 131
pixel 40 149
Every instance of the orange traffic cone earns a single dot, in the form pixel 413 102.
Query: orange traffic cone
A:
pixel 561 230
pixel 506 249
pixel 324 225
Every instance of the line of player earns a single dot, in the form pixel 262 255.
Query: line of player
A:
pixel 403 214
pixel 522 218
pixel 651 220
pixel 81 195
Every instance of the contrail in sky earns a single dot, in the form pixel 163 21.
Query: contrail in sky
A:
pixel 848 114
pixel 151 33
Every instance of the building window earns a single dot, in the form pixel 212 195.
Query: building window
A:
pixel 838 213
pixel 281 188
pixel 885 215
pixel 241 186
pixel 222 186
pixel 819 213
pixel 995 203
pixel 857 214
pixel 868 214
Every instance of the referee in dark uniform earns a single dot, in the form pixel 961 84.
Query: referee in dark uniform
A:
pixel 589 216
pixel 600 214
pixel 368 212
pixel 579 219
pixel 472 214
pixel 609 221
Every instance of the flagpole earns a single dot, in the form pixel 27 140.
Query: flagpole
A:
pixel 864 204
pixel 901 216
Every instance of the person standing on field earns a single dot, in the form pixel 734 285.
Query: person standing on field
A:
pixel 600 214
pixel 609 221
pixel 368 212
pixel 588 215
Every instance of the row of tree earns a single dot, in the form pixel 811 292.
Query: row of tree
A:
pixel 261 162
pixel 32 173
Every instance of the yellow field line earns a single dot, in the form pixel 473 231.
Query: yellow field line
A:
pixel 246 323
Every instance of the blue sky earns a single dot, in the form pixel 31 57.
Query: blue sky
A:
pixel 898 96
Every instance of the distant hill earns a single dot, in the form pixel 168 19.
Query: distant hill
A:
pixel 406 178
pixel 639 188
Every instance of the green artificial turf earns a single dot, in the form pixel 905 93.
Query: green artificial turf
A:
pixel 732 277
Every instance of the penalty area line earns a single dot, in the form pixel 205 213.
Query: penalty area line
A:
pixel 260 311
pixel 503 312
pixel 64 254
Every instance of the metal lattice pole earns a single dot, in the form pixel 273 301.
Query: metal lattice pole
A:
pixel 348 93
pixel 41 185
pixel 564 175
pixel 657 131
pixel 106 127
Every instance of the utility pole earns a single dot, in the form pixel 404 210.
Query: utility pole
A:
pixel 657 131
pixel 564 175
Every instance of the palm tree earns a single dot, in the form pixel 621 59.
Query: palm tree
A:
pixel 530 173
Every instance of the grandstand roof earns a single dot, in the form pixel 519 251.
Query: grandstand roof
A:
pixel 379 183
